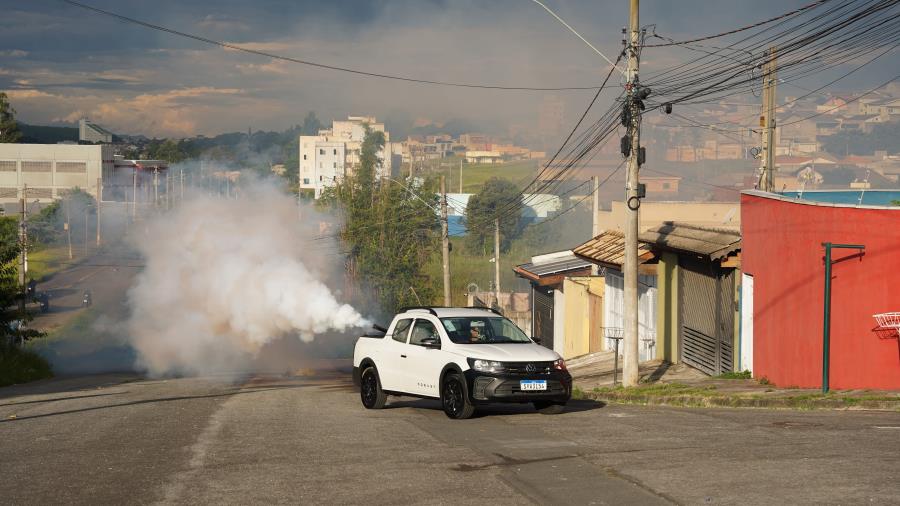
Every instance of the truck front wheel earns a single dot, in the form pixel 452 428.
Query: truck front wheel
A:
pixel 373 397
pixel 455 399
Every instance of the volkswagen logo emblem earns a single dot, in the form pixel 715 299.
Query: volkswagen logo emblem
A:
pixel 530 368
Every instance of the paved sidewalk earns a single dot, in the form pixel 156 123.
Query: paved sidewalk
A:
pixel 680 385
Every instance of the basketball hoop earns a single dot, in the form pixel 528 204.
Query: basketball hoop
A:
pixel 888 322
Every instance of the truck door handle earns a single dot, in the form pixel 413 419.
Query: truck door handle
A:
pixel 402 356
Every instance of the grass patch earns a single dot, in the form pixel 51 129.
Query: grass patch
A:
pixel 475 175
pixel 21 366
pixel 732 375
pixel 577 393
pixel 47 261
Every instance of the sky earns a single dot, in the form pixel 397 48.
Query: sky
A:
pixel 59 63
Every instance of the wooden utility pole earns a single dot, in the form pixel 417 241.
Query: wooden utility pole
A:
pixel 767 121
pixel 497 260
pixel 445 243
pixel 99 200
pixel 633 203
pixel 23 240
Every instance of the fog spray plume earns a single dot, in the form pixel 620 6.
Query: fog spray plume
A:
pixel 224 277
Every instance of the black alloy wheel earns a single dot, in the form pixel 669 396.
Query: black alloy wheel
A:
pixel 454 398
pixel 373 397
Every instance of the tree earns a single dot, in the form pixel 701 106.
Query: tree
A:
pixel 498 197
pixel 9 130
pixel 11 318
pixel 311 124
pixel 390 230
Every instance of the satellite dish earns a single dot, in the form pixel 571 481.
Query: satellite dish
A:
pixel 471 288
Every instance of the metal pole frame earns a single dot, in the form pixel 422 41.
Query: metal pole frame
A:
pixel 826 326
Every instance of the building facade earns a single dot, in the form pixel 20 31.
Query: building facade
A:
pixel 331 155
pixel 48 170
pixel 93 133
pixel 784 284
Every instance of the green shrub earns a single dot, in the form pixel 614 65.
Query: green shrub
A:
pixel 20 366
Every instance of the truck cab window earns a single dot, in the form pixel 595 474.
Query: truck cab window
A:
pixel 401 329
pixel 423 329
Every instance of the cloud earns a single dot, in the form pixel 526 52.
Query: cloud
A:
pixel 13 53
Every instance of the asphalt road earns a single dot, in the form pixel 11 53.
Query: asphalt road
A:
pixel 307 440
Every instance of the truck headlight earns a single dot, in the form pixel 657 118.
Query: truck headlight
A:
pixel 488 366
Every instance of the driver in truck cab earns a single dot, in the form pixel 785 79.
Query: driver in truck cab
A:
pixel 475 335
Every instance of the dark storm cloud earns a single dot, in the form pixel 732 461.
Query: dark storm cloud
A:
pixel 65 61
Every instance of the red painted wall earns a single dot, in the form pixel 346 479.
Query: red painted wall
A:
pixel 782 250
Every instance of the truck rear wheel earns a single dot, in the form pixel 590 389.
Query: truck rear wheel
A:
pixel 370 392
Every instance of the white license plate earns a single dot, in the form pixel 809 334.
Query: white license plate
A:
pixel 533 384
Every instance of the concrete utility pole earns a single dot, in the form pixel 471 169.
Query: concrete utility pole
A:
pixel 630 366
pixel 86 223
pixel 68 227
pixel 445 243
pixel 133 194
pixel 767 121
pixel 99 200
pixel 156 187
pixel 460 175
pixel 23 240
pixel 497 260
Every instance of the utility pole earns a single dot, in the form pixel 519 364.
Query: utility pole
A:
pixel 23 239
pixel 133 194
pixel 99 200
pixel 460 175
pixel 497 260
pixel 445 243
pixel 68 228
pixel 632 199
pixel 169 186
pixel 156 187
pixel 595 223
pixel 86 223
pixel 182 184
pixel 767 121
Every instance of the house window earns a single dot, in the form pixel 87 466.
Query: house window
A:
pixel 335 165
pixel 306 180
pixel 321 151
pixel 335 151
pixel 320 178
pixel 304 157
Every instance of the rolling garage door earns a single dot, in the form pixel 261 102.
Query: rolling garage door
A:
pixel 543 316
pixel 707 316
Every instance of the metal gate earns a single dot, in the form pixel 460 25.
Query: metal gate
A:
pixel 543 316
pixel 707 316
pixel 614 312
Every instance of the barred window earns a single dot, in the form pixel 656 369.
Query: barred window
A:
pixel 7 165
pixel 40 193
pixel 71 167
pixel 36 166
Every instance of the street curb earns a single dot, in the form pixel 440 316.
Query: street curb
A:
pixel 722 401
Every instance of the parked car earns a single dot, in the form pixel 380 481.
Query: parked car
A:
pixel 465 357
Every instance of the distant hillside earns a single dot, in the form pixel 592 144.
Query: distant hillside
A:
pixel 35 134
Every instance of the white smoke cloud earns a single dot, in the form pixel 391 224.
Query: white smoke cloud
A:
pixel 223 278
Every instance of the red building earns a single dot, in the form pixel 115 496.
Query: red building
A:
pixel 783 252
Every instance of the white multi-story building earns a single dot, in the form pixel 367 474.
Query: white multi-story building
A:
pixel 90 132
pixel 334 153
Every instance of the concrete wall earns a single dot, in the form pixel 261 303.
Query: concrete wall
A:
pixel 714 214
pixel 782 250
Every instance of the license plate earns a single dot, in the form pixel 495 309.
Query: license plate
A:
pixel 533 384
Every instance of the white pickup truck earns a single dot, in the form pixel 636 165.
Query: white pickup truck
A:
pixel 462 356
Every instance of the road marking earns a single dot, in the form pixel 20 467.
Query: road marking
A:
pixel 887 426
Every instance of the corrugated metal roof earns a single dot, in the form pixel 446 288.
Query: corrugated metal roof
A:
pixel 555 266
pixel 715 243
pixel 607 248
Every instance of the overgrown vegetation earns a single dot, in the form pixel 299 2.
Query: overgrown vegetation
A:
pixel 730 375
pixel 498 197
pixel 390 231
pixel 9 130
pixel 19 365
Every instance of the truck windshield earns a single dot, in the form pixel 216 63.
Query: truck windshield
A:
pixel 483 330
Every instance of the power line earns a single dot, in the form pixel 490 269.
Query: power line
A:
pixel 267 54
pixel 580 37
